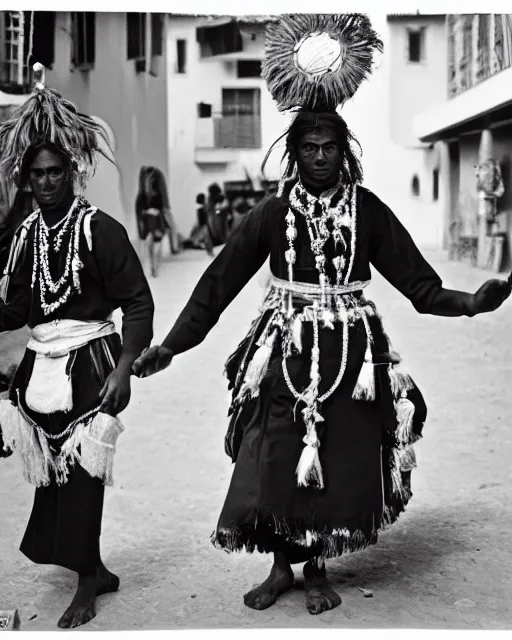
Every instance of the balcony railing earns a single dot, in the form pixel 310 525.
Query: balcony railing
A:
pixel 229 132
pixel 479 46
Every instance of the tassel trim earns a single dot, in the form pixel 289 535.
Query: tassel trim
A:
pixel 365 385
pixel 258 532
pixel 91 443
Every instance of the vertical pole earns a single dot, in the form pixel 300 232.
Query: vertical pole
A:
pixel 485 153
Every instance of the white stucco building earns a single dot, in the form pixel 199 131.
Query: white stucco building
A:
pixel 185 94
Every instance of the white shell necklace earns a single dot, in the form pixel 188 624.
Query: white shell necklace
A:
pixel 69 282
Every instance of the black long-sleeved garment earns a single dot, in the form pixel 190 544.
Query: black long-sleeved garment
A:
pixel 381 240
pixel 112 277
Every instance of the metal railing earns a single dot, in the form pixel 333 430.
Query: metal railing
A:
pixel 229 132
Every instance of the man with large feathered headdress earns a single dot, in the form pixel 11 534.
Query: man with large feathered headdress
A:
pixel 70 267
pixel 322 418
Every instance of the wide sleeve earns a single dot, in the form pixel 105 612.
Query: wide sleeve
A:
pixel 240 259
pixel 15 313
pixel 395 255
pixel 124 280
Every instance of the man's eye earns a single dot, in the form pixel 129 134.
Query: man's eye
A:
pixel 330 148
pixel 309 148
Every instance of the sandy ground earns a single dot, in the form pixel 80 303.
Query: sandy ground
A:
pixel 445 564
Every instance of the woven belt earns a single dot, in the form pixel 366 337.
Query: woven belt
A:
pixel 310 290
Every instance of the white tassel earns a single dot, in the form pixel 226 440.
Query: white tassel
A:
pixel 396 477
pixel 22 438
pixel 309 470
pixel 407 457
pixel 98 447
pixel 258 366
pixel 399 380
pixel 365 386
pixel 404 414
pixel 296 332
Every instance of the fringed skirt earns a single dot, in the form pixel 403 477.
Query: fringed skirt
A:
pixel 364 489
pixel 64 527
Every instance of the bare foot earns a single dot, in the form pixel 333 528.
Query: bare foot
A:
pixel 265 595
pixel 319 595
pixel 82 608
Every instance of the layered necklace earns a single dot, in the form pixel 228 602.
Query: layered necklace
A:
pixel 55 293
pixel 338 209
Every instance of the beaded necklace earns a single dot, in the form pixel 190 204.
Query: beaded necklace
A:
pixel 344 213
pixel 69 282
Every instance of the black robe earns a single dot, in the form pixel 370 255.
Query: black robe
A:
pixel 264 508
pixel 65 525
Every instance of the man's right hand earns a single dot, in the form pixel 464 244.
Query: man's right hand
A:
pixel 152 361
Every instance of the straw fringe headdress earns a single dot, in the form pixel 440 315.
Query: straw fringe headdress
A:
pixel 316 62
pixel 47 117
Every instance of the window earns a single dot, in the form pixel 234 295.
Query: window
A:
pixel 248 68
pixel 416 45
pixel 157 38
pixel 83 37
pixel 415 186
pixel 136 39
pixel 435 185
pixel 157 34
pixel 204 110
pixel 26 37
pixel 181 56
pixel 240 124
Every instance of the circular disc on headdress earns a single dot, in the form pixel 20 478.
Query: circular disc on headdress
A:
pixel 316 62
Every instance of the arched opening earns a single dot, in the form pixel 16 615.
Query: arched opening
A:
pixel 435 185
pixel 415 186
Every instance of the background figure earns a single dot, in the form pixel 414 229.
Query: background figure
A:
pixel 218 211
pixel 154 218
pixel 202 232
pixel 21 208
pixel 240 209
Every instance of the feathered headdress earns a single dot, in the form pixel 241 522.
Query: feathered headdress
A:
pixel 47 117
pixel 316 62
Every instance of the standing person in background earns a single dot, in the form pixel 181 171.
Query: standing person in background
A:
pixel 170 222
pixel 218 209
pixel 150 210
pixel 202 234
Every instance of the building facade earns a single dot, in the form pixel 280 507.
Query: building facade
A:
pixel 473 126
pixel 416 80
pixel 113 67
pixel 183 93
pixel 222 120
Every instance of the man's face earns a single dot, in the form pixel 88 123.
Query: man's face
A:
pixel 48 179
pixel 319 159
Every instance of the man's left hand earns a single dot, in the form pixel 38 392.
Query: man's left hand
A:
pixel 116 392
pixel 491 295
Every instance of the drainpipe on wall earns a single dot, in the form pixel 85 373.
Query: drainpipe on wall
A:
pixel 444 193
pixel 485 152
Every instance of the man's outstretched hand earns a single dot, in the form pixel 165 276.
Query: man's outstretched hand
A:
pixel 152 361
pixel 491 295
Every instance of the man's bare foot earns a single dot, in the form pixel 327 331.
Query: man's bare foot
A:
pixel 82 608
pixel 265 595
pixel 319 595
